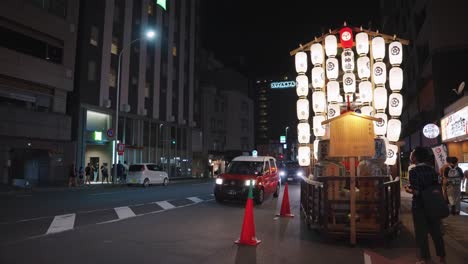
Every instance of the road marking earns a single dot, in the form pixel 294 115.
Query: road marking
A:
pixel 165 205
pixel 463 213
pixel 202 183
pixel 62 223
pixel 367 259
pixel 195 199
pixel 124 212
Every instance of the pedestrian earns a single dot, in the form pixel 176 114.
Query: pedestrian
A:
pixel 421 177
pixel 453 176
pixel 120 171
pixel 72 176
pixel 442 178
pixel 81 176
pixel 125 170
pixel 88 171
pixel 105 173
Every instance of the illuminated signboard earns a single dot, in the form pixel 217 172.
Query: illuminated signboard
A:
pixel 97 135
pixel 161 3
pixel 431 131
pixel 283 85
pixel 455 125
pixel 282 139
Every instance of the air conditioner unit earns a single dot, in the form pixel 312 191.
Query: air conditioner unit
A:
pixel 107 103
pixel 126 108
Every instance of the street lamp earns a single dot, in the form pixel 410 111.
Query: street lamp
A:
pixel 150 34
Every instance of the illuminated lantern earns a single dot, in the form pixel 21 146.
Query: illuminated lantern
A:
pixel 395 53
pixel 378 48
pixel 347 60
pixel 395 104
pixel 365 91
pixel 395 77
pixel 333 91
pixel 319 130
pixel 331 45
pixel 303 133
pixel 316 54
pixel 380 98
pixel 333 110
pixel 301 62
pixel 379 73
pixel 392 154
pixel 302 109
pixel 393 130
pixel 316 144
pixel 303 155
pixel 349 83
pixel 318 102
pixel 346 38
pixel 318 77
pixel 302 85
pixel 362 43
pixel 332 68
pixel 380 128
pixel 367 110
pixel 363 66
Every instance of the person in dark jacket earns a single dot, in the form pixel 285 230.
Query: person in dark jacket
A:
pixel 421 177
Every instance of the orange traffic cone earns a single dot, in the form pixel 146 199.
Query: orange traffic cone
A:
pixel 247 236
pixel 285 209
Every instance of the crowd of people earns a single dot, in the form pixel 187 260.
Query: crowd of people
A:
pixel 84 176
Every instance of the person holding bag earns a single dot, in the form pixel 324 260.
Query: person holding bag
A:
pixel 428 205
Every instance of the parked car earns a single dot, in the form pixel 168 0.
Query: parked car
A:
pixel 146 174
pixel 242 171
pixel 291 171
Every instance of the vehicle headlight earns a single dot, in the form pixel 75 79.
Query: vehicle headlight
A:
pixel 219 181
pixel 282 173
pixel 247 182
pixel 299 173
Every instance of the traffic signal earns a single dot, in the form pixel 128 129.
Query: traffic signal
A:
pixel 173 142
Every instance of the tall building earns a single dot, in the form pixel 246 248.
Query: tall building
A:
pixel 37 67
pixel 435 66
pixel 157 82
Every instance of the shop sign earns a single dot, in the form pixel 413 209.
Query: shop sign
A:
pixel 281 85
pixel 455 125
pixel 120 149
pixel 431 131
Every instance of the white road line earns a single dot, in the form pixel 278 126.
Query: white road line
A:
pixel 124 212
pixel 165 205
pixel 62 223
pixel 367 259
pixel 463 213
pixel 195 199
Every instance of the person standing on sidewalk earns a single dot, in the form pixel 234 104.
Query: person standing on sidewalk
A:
pixel 442 178
pixel 421 177
pixel 88 171
pixel 453 175
pixel 72 176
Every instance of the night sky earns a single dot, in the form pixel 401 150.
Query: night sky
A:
pixel 258 35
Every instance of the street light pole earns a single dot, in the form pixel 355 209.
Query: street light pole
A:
pixel 149 35
pixel 286 156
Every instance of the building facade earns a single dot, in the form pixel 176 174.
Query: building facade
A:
pixel 37 67
pixel 157 83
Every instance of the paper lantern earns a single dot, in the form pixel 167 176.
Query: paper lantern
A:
pixel 379 73
pixel 332 68
pixel 301 62
pixel 316 54
pixel 303 155
pixel 395 77
pixel 380 128
pixel 380 98
pixel 302 85
pixel 395 53
pixel 319 102
pixel 378 48
pixel 318 77
pixel 362 43
pixel 392 154
pixel 349 82
pixel 363 66
pixel 367 110
pixel 395 104
pixel 333 91
pixel 365 92
pixel 303 133
pixel 316 146
pixel 331 45
pixel 333 110
pixel 393 130
pixel 319 130
pixel 347 60
pixel 346 37
pixel 302 108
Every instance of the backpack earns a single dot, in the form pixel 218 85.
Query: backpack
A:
pixel 453 176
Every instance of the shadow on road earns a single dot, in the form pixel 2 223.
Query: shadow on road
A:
pixel 246 255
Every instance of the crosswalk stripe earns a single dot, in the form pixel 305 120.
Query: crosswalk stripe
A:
pixel 367 259
pixel 62 223
pixel 165 205
pixel 195 199
pixel 124 212
pixel 463 213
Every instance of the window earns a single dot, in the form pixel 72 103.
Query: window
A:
pixel 54 7
pixel 112 78
pixel 213 124
pixel 94 36
pixel 147 90
pixel 174 51
pixel 115 46
pixel 116 14
pixel 91 70
pixel 150 9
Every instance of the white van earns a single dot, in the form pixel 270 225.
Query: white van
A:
pixel 146 174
